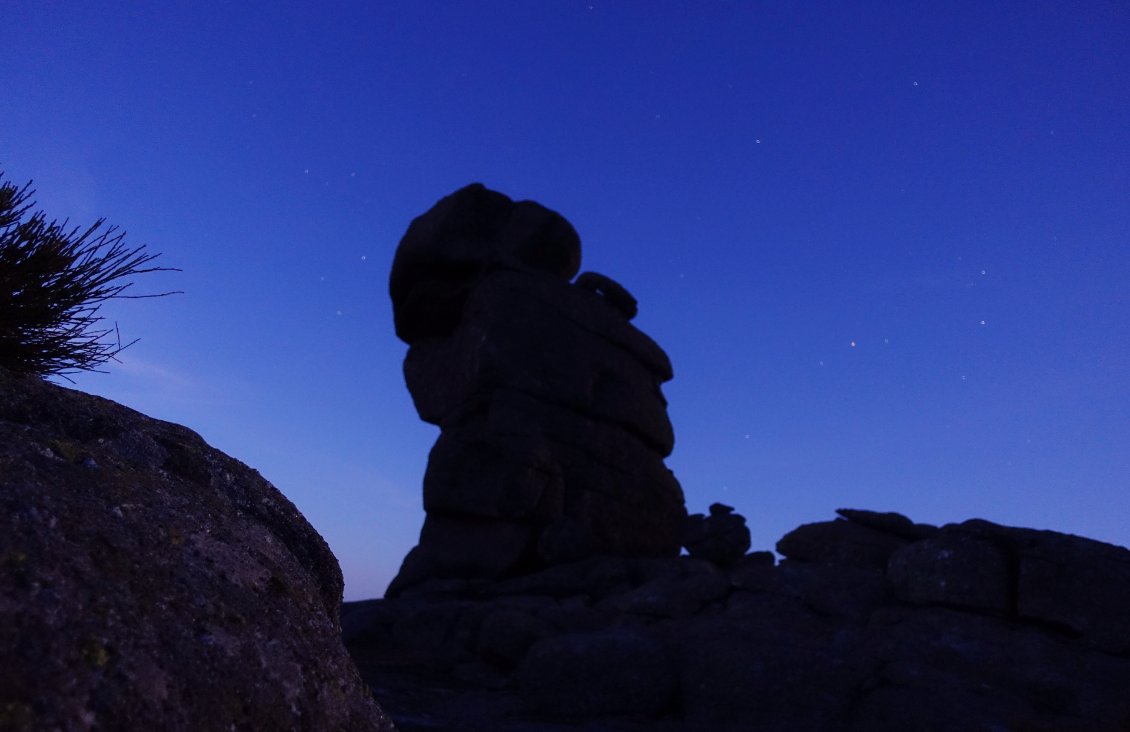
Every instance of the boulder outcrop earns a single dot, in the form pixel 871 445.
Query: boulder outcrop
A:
pixel 870 623
pixel 546 593
pixel 553 425
pixel 150 582
pixel 722 537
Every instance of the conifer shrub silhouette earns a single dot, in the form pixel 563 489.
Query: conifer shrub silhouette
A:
pixel 53 282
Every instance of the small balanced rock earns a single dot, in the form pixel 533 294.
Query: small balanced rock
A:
pixel 721 538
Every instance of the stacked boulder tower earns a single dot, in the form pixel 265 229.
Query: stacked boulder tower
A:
pixel 553 425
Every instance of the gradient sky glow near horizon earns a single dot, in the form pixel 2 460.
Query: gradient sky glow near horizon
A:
pixel 886 245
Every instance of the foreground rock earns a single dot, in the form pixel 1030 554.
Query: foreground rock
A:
pixel 553 425
pixel 149 582
pixel 871 623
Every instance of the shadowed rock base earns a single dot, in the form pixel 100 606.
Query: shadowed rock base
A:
pixel 871 623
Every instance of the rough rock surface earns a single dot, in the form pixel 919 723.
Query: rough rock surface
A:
pixel 149 582
pixel 553 425
pixel 870 623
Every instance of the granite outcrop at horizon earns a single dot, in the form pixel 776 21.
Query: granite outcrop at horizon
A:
pixel 547 594
pixel 553 424
pixel 150 582
pixel 870 623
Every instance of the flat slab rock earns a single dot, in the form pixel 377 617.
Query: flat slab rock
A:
pixel 870 623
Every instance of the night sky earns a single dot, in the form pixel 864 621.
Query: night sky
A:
pixel 886 245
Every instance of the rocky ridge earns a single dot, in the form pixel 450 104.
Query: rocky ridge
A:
pixel 869 623
pixel 148 581
pixel 547 592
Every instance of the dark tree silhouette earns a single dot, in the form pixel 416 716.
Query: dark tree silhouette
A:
pixel 52 284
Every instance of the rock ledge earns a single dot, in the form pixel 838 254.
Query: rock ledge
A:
pixel 870 623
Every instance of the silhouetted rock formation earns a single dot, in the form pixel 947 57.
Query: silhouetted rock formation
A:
pixel 871 623
pixel 545 594
pixel 150 582
pixel 553 425
pixel 722 537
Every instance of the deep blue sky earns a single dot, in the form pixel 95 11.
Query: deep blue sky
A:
pixel 886 245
